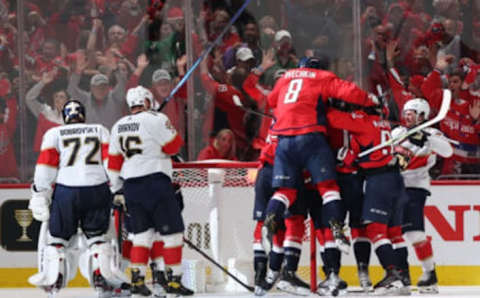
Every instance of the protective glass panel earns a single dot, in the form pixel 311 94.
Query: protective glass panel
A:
pixel 94 50
pixel 267 38
pixel 413 49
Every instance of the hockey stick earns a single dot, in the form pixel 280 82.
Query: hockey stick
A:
pixel 447 98
pixel 238 103
pixel 204 54
pixel 194 247
pixel 118 213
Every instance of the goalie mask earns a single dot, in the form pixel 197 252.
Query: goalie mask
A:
pixel 420 106
pixel 73 111
pixel 138 96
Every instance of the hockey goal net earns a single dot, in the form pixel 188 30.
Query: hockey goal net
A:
pixel 218 199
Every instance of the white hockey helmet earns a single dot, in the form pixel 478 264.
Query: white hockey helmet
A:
pixel 137 96
pixel 420 106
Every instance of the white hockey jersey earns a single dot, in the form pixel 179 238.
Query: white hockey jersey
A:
pixel 423 158
pixel 73 155
pixel 141 144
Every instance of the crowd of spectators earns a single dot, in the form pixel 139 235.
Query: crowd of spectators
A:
pixel 94 50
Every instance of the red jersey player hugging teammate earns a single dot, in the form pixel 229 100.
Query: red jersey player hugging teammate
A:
pixel 299 102
pixel 384 194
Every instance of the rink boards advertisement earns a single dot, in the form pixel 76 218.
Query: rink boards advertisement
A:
pixel 222 226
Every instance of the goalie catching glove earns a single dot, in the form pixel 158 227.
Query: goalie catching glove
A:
pixel 40 203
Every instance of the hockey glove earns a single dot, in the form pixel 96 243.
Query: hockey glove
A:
pixel 119 200
pixel 346 156
pixel 402 161
pixel 40 204
pixel 419 138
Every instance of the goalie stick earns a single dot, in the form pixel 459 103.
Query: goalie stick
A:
pixel 447 98
pixel 194 247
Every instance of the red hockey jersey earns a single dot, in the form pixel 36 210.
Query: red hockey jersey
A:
pixel 299 99
pixel 366 131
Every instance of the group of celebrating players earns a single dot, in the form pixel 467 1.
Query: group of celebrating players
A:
pixel 384 192
pixel 81 168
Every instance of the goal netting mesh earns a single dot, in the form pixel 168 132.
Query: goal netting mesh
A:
pixel 218 199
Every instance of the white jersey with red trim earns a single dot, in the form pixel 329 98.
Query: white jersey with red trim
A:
pixel 416 174
pixel 73 155
pixel 141 144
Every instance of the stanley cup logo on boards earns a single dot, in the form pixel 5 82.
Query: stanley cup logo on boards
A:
pixel 24 219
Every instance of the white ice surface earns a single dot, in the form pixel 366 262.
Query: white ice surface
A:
pixel 88 293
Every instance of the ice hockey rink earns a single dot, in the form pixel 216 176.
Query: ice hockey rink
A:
pixel 449 291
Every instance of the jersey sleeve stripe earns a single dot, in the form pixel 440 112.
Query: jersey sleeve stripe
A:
pixel 115 162
pixel 104 151
pixel 49 157
pixel 173 146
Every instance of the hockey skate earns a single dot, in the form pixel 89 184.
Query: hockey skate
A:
pixel 175 286
pixel 391 284
pixel 261 285
pixel 332 286
pixel 125 290
pixel 102 288
pixel 52 290
pixel 289 282
pixel 271 279
pixel 427 283
pixel 139 289
pixel 341 239
pixel 159 281
pixel 364 278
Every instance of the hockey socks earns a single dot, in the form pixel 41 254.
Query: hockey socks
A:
pixel 424 253
pixel 259 255
pixel 361 246
pixel 277 253
pixel 400 247
pixel 377 233
pixel 295 228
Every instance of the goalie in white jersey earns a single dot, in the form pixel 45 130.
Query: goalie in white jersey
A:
pixel 420 152
pixel 139 162
pixel 71 189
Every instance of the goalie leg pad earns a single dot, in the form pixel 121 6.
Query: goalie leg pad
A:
pixel 102 257
pixel 53 264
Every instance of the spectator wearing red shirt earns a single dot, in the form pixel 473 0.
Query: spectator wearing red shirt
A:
pixel 403 88
pixel 48 59
pixel 8 122
pixel 461 122
pixel 223 103
pixel 223 147
pixel 219 22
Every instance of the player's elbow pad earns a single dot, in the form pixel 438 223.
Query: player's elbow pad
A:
pixel 441 146
pixel 173 146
